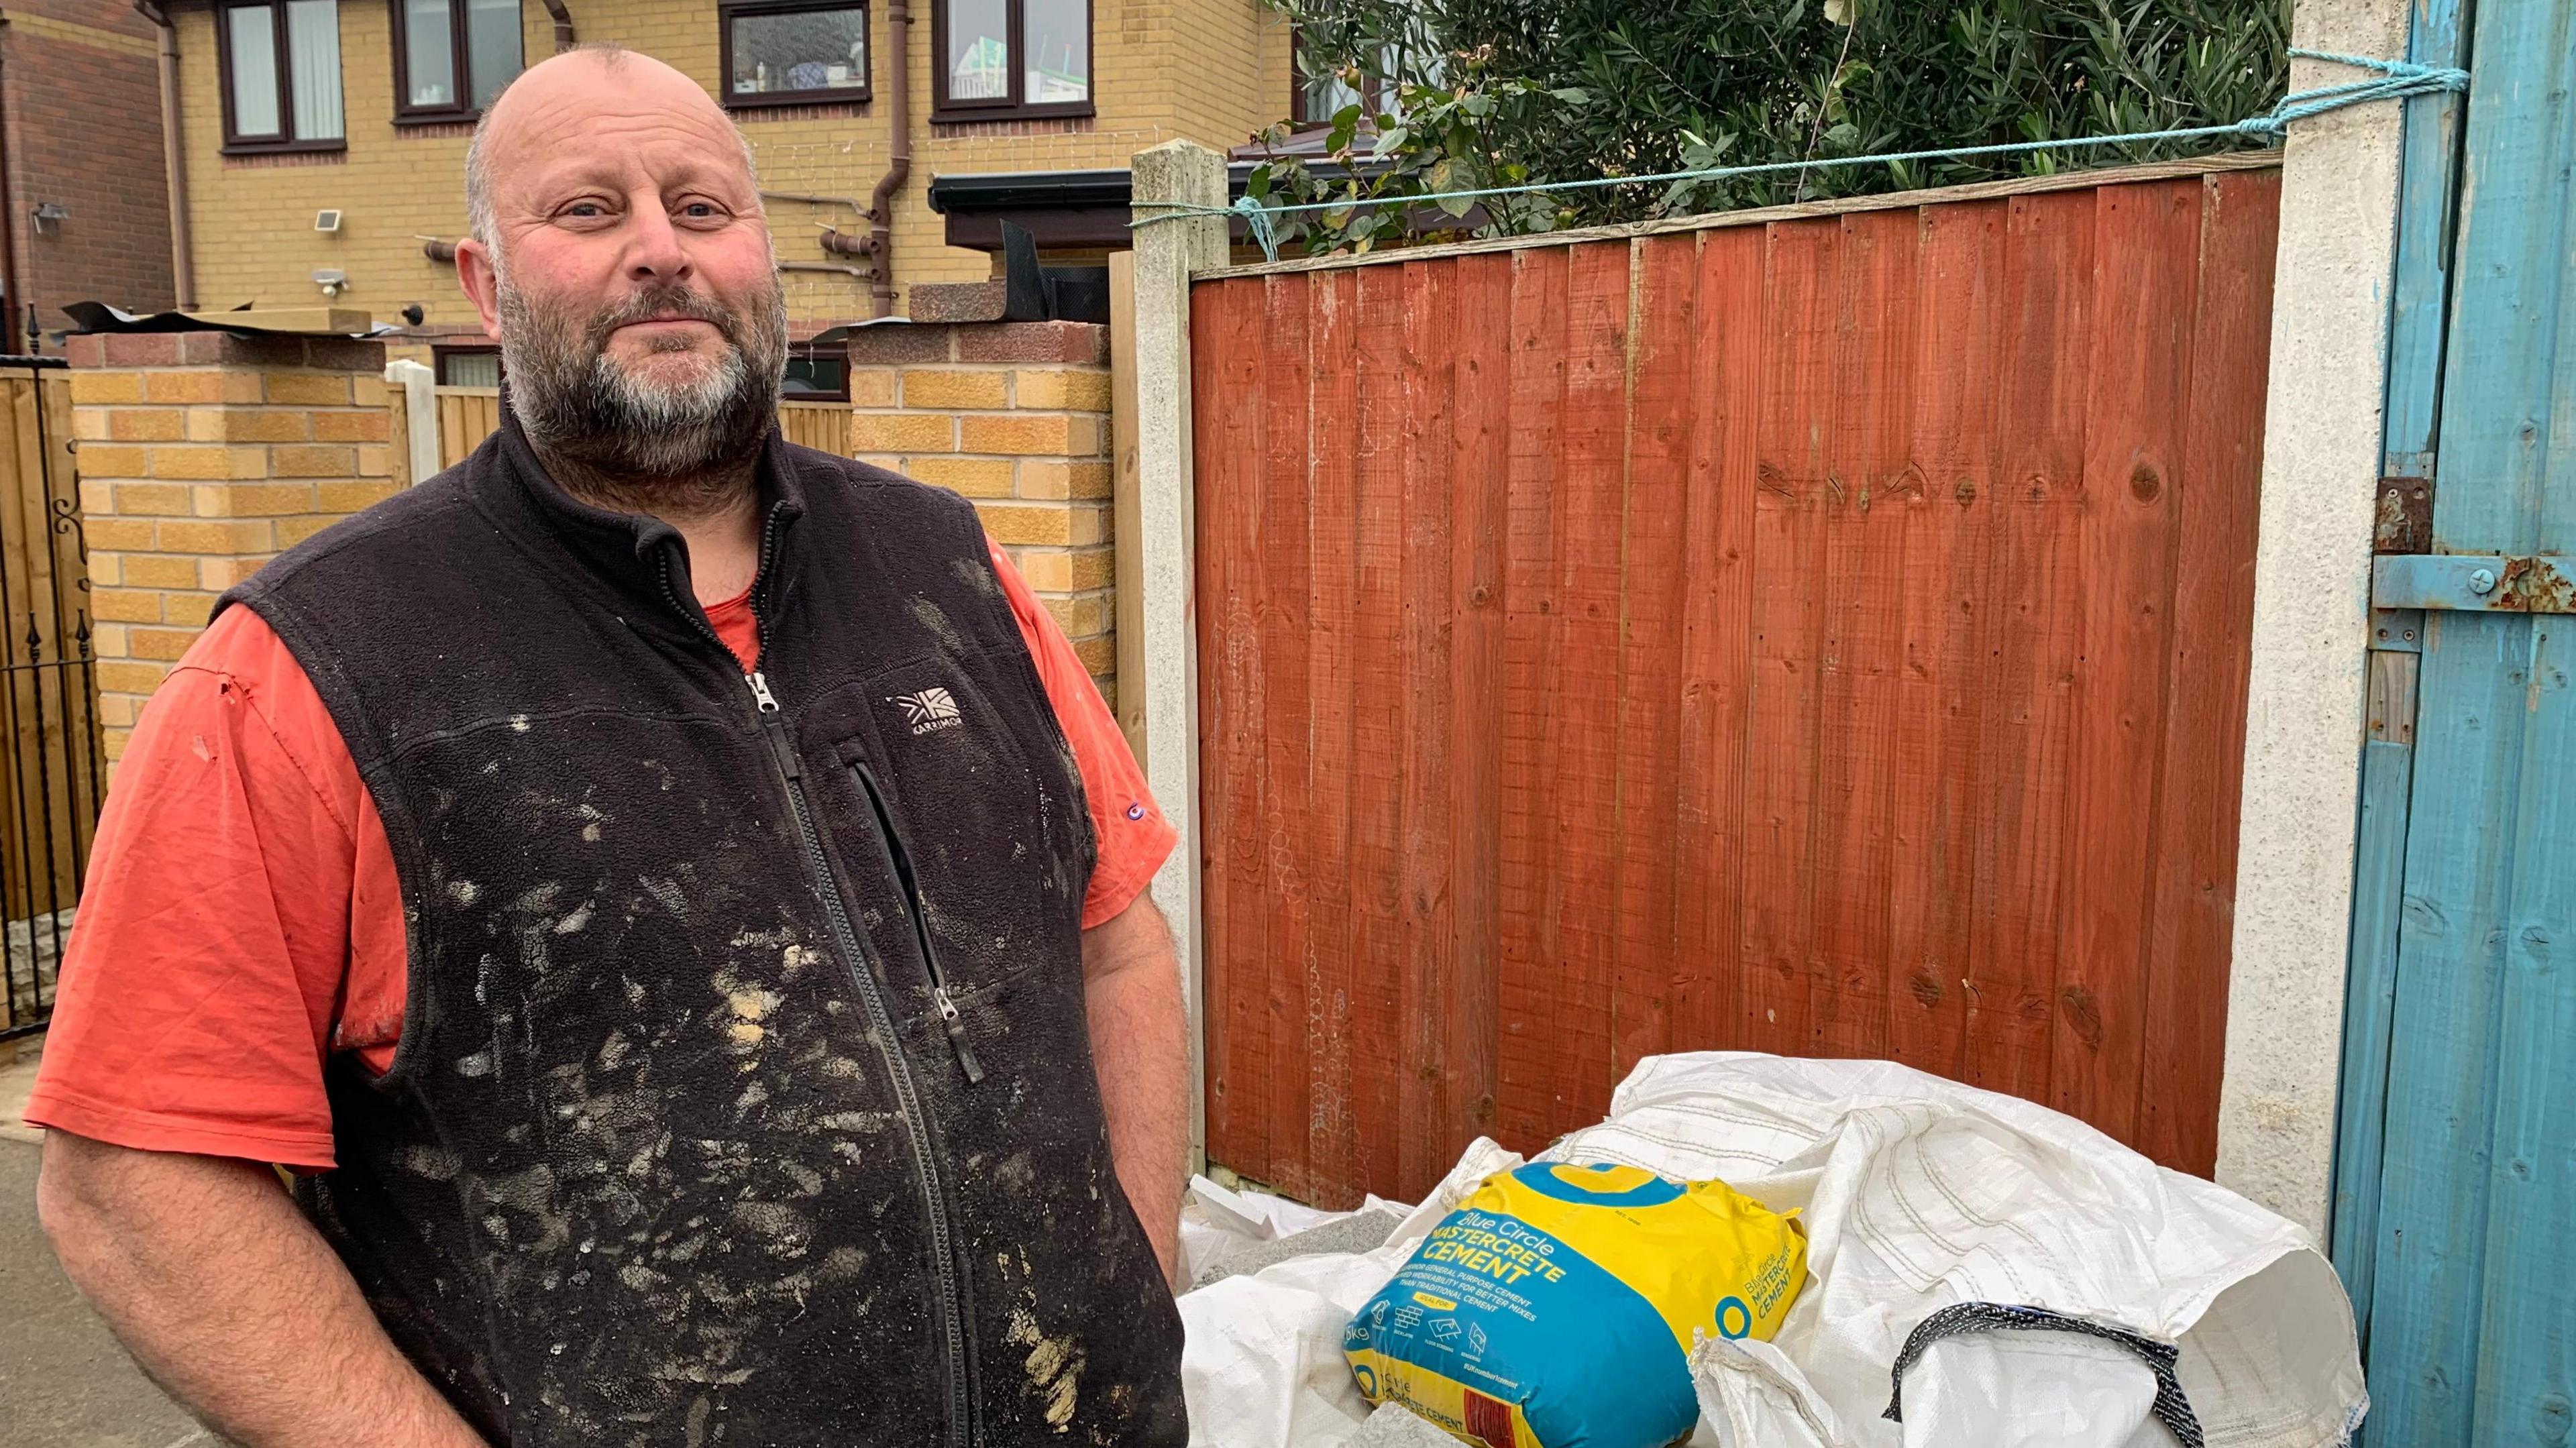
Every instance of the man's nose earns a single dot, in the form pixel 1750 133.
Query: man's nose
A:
pixel 654 252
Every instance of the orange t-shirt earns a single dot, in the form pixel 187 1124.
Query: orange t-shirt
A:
pixel 241 921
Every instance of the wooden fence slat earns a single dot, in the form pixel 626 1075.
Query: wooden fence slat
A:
pixel 1941 731
pixel 1429 929
pixel 1715 688
pixel 1224 328
pixel 2192 915
pixel 1870 494
pixel 1802 279
pixel 1583 746
pixel 2031 639
pixel 1332 1147
pixel 1281 729
pixel 1377 738
pixel 1523 1089
pixel 2133 457
pixel 1660 379
pixel 1481 501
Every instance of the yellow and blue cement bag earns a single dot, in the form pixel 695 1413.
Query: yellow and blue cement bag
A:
pixel 1556 1307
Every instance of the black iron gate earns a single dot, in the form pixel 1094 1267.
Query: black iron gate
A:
pixel 51 772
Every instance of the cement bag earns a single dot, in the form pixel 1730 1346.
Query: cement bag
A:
pixel 1261 1357
pixel 1987 1273
pixel 1556 1307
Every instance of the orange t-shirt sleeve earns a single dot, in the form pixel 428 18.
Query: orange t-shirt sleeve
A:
pixel 199 987
pixel 1134 836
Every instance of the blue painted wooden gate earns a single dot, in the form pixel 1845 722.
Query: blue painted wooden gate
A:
pixel 2455 1212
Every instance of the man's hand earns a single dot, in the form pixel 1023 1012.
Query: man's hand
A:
pixel 1140 1048
pixel 231 1301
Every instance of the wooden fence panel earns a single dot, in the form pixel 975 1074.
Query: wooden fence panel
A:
pixel 467 415
pixel 823 426
pixel 1824 637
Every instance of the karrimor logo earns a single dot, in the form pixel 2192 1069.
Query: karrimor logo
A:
pixel 930 710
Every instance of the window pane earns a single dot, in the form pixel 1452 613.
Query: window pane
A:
pixel 469 369
pixel 313 54
pixel 492 46
pixel 1059 39
pixel 252 39
pixel 809 50
pixel 979 51
pixel 1326 95
pixel 811 375
pixel 429 53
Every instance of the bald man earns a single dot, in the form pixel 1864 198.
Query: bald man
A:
pixel 671 899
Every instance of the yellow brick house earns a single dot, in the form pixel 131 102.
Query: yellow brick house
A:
pixel 324 140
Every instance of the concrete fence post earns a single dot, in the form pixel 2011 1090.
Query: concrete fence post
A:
pixel 416 386
pixel 1167 252
pixel 2304 697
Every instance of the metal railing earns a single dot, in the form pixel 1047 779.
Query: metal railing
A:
pixel 53 773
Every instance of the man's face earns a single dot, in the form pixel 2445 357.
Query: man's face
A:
pixel 631 283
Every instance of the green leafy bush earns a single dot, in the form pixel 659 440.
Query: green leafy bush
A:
pixel 1505 92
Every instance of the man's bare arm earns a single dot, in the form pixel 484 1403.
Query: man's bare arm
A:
pixel 231 1301
pixel 1140 1047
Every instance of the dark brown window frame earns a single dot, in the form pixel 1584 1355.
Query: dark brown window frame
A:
pixel 439 352
pixel 849 95
pixel 237 144
pixel 1009 106
pixel 819 352
pixel 407 114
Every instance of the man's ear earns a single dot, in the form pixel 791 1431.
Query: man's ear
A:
pixel 481 283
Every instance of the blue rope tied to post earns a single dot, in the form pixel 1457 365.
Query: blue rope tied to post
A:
pixel 2396 80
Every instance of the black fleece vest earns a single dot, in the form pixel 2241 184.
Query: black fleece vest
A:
pixel 744 1093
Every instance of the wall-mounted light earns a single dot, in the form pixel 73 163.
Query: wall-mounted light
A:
pixel 332 283
pixel 49 218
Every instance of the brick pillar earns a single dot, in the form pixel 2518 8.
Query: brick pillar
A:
pixel 1014 415
pixel 201 455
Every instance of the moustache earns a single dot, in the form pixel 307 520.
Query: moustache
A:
pixel 661 304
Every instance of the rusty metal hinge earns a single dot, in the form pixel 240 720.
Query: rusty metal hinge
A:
pixel 2475 583
pixel 2404 521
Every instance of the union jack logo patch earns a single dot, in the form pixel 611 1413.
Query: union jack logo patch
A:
pixel 929 710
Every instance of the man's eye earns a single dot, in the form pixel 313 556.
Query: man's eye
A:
pixel 698 209
pixel 584 208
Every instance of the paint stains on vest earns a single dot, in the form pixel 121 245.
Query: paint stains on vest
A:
pixel 680 1144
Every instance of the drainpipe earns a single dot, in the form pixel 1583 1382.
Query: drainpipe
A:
pixel 563 25
pixel 174 160
pixel 898 161
pixel 11 298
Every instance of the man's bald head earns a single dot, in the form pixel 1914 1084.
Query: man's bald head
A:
pixel 591 63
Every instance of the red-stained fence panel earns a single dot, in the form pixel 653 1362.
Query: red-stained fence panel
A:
pixel 1824 635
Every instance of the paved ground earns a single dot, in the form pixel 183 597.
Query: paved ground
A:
pixel 64 1383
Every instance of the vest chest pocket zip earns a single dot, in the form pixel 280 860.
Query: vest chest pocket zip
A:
pixel 899 859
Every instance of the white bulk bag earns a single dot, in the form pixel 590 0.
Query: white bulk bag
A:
pixel 1921 1197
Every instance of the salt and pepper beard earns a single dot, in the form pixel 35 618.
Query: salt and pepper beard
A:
pixel 622 442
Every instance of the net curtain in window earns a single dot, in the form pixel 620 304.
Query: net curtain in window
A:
pixel 313 55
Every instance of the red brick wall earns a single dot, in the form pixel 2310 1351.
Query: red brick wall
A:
pixel 83 121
